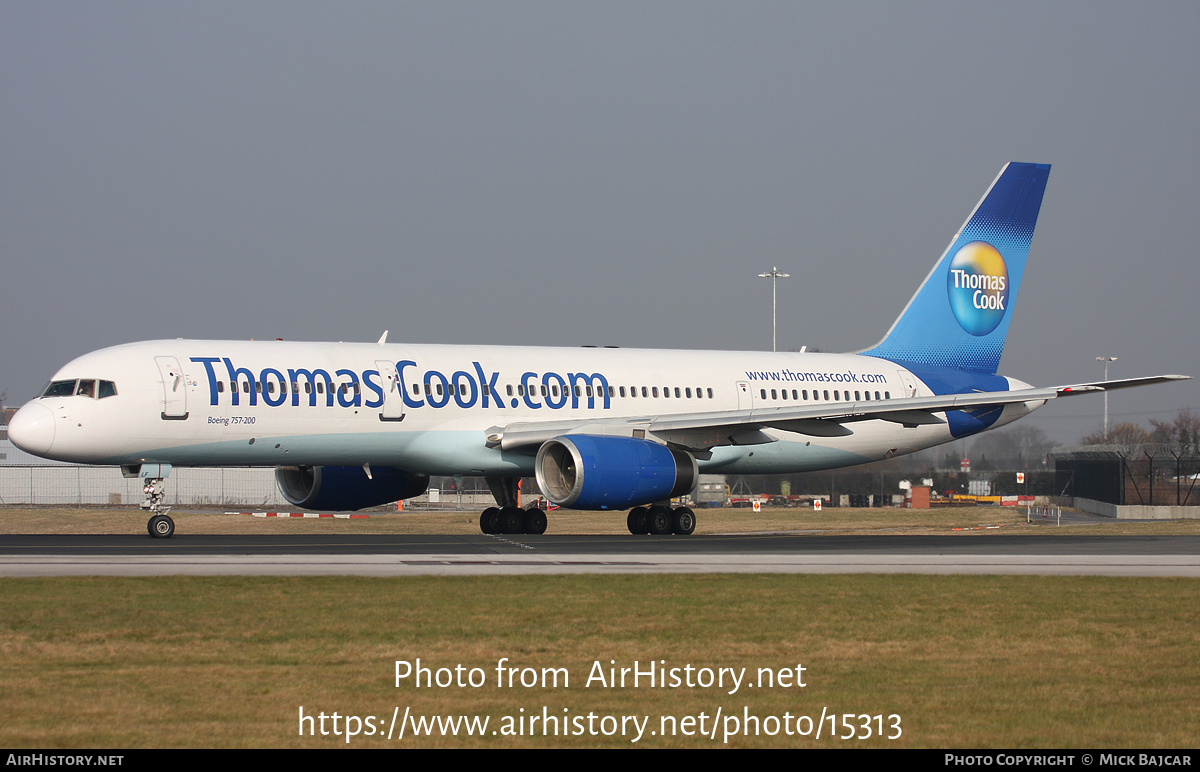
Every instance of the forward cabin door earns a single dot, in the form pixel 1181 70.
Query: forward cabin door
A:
pixel 745 396
pixel 393 398
pixel 174 389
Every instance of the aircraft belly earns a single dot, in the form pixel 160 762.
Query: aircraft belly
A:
pixel 463 452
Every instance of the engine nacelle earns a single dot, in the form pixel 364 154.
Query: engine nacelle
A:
pixel 341 488
pixel 585 471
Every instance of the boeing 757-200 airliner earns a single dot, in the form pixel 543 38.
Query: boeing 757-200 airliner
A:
pixel 349 426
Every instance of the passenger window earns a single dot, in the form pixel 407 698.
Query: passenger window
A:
pixel 246 387
pixel 688 392
pixel 320 387
pixel 429 390
pixel 270 387
pixel 783 393
pixel 805 395
pixel 644 391
pixel 439 389
pixel 887 395
pixel 856 395
pixel 826 396
pixel 109 389
pixel 622 391
pixel 654 391
pixel 710 396
pixel 763 392
pixel 676 392
pixel 610 391
pixel 521 390
pixel 589 391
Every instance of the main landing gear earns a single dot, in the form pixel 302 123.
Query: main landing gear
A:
pixel 160 526
pixel 661 520
pixel 512 520
pixel 508 517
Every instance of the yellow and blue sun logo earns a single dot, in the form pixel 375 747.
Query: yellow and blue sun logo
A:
pixel 977 284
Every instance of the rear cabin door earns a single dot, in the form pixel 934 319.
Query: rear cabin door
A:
pixel 393 400
pixel 174 389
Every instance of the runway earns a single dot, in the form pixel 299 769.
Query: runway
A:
pixel 432 555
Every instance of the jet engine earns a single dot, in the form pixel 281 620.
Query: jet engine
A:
pixel 341 488
pixel 584 471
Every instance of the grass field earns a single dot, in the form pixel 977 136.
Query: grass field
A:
pixel 830 520
pixel 965 662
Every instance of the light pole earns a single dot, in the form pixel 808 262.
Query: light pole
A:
pixel 773 274
pixel 1106 360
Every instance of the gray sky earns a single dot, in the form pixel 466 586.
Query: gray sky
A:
pixel 603 173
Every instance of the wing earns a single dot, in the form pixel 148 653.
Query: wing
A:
pixel 699 432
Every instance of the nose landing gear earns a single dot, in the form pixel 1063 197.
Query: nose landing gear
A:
pixel 160 525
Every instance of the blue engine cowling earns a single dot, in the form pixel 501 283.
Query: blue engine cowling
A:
pixel 341 488
pixel 585 471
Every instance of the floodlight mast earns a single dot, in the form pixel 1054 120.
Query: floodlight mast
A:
pixel 773 274
pixel 1106 360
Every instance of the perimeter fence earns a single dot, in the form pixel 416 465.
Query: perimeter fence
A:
pixel 229 487
pixel 101 485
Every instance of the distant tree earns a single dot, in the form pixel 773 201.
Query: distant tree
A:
pixel 1183 430
pixel 1122 434
pixel 1013 448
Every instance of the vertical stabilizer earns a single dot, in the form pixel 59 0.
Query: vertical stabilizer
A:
pixel 960 314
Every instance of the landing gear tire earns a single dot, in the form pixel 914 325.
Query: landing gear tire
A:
pixel 489 521
pixel 534 521
pixel 511 520
pixel 637 521
pixel 683 521
pixel 658 519
pixel 161 527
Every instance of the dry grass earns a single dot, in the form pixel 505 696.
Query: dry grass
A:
pixel 966 661
pixel 71 520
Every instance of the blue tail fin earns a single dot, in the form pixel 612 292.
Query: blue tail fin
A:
pixel 959 316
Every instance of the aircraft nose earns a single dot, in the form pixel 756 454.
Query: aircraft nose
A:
pixel 32 429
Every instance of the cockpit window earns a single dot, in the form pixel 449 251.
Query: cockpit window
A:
pixel 59 389
pixel 86 387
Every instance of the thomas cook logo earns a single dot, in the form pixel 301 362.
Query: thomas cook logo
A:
pixel 978 287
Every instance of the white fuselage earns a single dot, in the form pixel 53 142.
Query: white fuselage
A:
pixel 175 404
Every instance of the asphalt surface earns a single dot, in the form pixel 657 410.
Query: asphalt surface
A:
pixel 394 555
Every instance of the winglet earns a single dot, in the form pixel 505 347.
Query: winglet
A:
pixel 383 338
